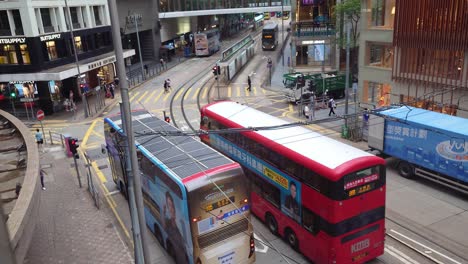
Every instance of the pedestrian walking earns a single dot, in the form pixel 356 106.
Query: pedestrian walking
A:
pixel 146 69
pixel 332 106
pixel 41 174
pixel 111 89
pixel 39 140
pixel 249 83
pixel 162 63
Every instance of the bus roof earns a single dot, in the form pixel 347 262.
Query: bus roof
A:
pixel 185 156
pixel 270 26
pixel 293 142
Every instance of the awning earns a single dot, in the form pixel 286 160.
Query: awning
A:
pixel 65 71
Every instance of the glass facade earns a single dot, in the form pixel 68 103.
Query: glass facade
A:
pixel 382 14
pixel 377 94
pixel 18 22
pixel 25 54
pixel 4 24
pixel 51 50
pixel 8 54
pixel 379 55
pixel 194 5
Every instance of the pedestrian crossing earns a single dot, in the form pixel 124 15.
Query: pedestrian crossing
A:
pixel 158 95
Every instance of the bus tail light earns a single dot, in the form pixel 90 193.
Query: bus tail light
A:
pixel 252 246
pixel 195 219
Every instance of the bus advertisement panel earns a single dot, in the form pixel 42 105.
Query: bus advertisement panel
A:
pixel 201 45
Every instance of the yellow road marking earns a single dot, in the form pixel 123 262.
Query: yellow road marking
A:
pixel 99 173
pixel 317 128
pixel 142 96
pixel 195 94
pixel 255 91
pixel 178 94
pixel 229 92
pixel 88 133
pixel 186 95
pixel 149 97
pixel 263 91
pixel 204 93
pixel 238 91
pixel 247 92
pixel 157 97
pixel 94 145
pixel 98 134
pixel 290 110
pixel 134 95
pixel 167 95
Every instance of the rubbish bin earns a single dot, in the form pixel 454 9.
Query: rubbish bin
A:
pixel 344 132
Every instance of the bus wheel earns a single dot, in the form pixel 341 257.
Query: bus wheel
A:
pixel 292 239
pixel 158 234
pixel 405 169
pixel 123 190
pixel 272 224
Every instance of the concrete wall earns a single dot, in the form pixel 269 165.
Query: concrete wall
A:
pixel 21 222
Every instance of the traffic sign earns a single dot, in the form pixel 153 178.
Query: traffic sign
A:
pixel 40 115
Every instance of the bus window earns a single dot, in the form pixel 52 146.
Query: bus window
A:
pixel 310 221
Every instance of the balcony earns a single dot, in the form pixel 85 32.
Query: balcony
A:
pixel 313 29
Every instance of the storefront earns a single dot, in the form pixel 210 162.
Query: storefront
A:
pixel 319 52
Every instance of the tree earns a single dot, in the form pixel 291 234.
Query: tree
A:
pixel 349 11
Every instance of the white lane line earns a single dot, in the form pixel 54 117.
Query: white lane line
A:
pixel 426 247
pixel 403 255
pixel 395 255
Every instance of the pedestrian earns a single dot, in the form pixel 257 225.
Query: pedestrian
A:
pixel 39 140
pixel 111 89
pixel 165 86
pixel 162 63
pixel 146 69
pixel 249 83
pixel 168 84
pixel 332 106
pixel 41 174
pixel 18 189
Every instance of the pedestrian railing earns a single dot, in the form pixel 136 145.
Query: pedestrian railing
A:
pixel 91 187
pixel 56 138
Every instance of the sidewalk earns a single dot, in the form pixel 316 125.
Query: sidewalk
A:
pixel 70 229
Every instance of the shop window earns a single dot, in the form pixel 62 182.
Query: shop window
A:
pixel 78 44
pixel 380 55
pixel 97 15
pixel 377 93
pixel 51 50
pixel 46 20
pixel 8 54
pixel 382 13
pixel 17 21
pixel 25 54
pixel 74 17
pixel 4 24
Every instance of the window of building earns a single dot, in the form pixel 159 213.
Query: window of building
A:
pixel 18 24
pixel 377 94
pixel 25 54
pixel 78 44
pixel 4 24
pixel 382 13
pixel 379 55
pixel 51 50
pixel 97 15
pixel 74 17
pixel 46 20
pixel 8 54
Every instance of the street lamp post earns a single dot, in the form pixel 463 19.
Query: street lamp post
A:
pixel 282 31
pixel 143 73
pixel 78 81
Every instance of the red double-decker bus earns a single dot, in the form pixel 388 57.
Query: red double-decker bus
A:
pixel 326 198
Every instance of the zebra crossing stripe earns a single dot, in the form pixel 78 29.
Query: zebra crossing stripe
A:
pixel 149 97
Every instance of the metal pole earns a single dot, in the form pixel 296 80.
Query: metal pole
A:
pixel 217 84
pixel 83 96
pixel 77 171
pixel 282 31
pixel 141 247
pixel 42 127
pixel 348 37
pixel 143 73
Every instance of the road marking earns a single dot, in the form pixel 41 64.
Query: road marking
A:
pixel 426 247
pixel 255 91
pixel 149 97
pixel 229 92
pixel 157 97
pixel 395 255
pixel 204 93
pixel 142 96
pixel 238 91
pixel 263 91
pixel 263 244
pixel 178 94
pixel 398 252
pixel 88 133
pixel 187 94
pixel 99 173
pixel 195 94
pixel 134 95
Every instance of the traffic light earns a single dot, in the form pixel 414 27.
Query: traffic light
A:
pixel 73 143
pixel 167 119
pixel 82 87
pixel 219 70
pixel 300 81
pixel 215 70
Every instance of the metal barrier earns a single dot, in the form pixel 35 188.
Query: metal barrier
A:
pixel 56 137
pixel 91 188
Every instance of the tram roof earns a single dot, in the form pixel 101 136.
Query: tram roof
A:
pixel 312 145
pixel 271 25
pixel 183 155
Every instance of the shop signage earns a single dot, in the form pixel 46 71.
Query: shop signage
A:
pixel 308 42
pixel 130 19
pixel 12 40
pixel 20 82
pixel 100 63
pixel 51 37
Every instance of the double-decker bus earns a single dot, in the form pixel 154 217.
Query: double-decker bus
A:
pixel 326 198
pixel 270 36
pixel 207 42
pixel 195 198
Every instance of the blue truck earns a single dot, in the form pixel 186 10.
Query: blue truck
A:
pixel 426 143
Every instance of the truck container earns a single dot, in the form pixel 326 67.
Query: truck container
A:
pixel 427 144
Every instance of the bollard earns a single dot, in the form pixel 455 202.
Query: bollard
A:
pixel 50 136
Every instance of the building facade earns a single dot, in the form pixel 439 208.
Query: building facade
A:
pixel 416 53
pixel 37 52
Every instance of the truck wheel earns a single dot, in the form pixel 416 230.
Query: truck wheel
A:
pixel 406 170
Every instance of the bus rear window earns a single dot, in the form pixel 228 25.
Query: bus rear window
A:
pixel 363 181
